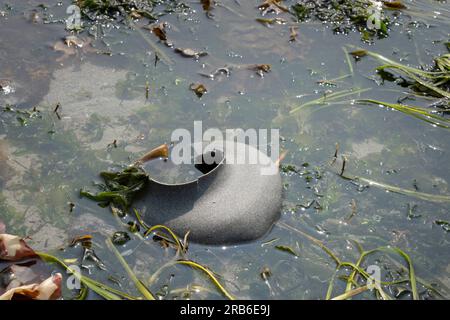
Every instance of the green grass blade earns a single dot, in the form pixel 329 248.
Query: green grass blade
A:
pixel 213 278
pixel 138 283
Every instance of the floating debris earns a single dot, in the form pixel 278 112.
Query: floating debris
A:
pixel 260 69
pixel 160 31
pixel 267 21
pixel 394 5
pixel 85 240
pixel 120 238
pixel 190 53
pixel 224 70
pixel 266 273
pixel 198 88
pixel 159 152
pixel 274 6
pixel 6 86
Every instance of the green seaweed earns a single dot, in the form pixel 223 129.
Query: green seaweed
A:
pixel 427 115
pixel 119 187
pixel 435 81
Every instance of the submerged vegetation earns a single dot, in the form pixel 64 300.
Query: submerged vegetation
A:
pixel 119 187
pixel 345 16
pixel 150 9
pixel 435 81
pixel 395 202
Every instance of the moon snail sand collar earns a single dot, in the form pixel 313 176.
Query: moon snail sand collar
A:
pixel 227 204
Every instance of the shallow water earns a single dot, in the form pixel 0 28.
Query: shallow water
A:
pixel 101 90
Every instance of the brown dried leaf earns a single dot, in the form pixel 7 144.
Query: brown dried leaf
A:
pixel 394 5
pixel 49 289
pixel 159 152
pixel 160 31
pixel 206 4
pixel 262 67
pixel 13 248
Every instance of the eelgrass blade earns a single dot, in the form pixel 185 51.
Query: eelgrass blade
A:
pixel 138 283
pixel 351 293
pixel 99 288
pixel 431 86
pixel 331 285
pixel 407 192
pixel 330 98
pixel 417 112
pixel 209 274
pixel 412 274
pixel 172 234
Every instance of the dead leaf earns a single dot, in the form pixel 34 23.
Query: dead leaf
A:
pixel 49 289
pixel 13 248
pixel 160 31
pixel 394 5
pixel 198 88
pixel 261 67
pixel 206 4
pixel 159 152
